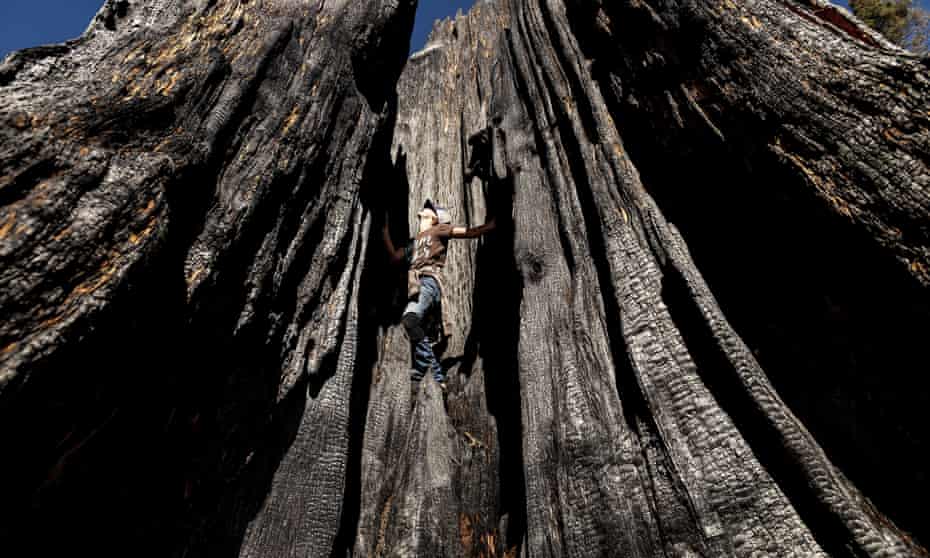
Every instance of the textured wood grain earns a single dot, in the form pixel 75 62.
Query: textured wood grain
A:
pixel 648 425
pixel 182 258
pixel 443 100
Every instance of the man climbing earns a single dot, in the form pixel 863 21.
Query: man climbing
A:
pixel 426 256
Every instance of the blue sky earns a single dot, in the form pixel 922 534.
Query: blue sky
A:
pixel 428 12
pixel 26 23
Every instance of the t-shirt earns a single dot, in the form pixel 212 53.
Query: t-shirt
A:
pixel 429 251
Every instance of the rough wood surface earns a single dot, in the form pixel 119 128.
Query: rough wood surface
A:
pixel 410 505
pixel 648 425
pixel 182 246
pixel 694 332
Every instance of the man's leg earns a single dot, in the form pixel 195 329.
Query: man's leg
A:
pixel 422 350
pixel 425 359
pixel 434 295
pixel 413 323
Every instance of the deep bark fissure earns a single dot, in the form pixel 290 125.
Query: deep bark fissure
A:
pixel 697 210
pixel 794 241
pixel 720 378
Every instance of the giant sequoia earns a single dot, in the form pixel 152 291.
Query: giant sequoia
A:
pixel 696 331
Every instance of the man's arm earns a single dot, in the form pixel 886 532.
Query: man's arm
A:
pixel 396 255
pixel 462 232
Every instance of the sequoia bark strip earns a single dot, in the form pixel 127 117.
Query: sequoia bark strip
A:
pixel 585 224
pixel 202 163
pixel 431 478
pixel 295 519
pixel 781 107
pixel 733 502
pixel 581 167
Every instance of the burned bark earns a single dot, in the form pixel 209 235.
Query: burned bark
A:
pixel 191 297
pixel 648 426
pixel 684 415
pixel 182 244
pixel 409 506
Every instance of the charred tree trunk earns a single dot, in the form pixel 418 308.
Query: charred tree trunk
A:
pixel 448 481
pixel 199 343
pixel 648 426
pixel 182 243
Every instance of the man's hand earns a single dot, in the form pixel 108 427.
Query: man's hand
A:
pixel 395 255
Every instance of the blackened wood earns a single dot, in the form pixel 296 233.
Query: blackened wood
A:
pixel 648 425
pixel 447 480
pixel 182 247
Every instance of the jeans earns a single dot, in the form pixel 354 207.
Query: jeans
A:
pixel 423 356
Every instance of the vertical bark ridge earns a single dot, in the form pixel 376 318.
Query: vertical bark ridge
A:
pixel 315 463
pixel 658 349
pixel 441 105
pixel 648 357
pixel 588 384
pixel 872 533
pixel 826 93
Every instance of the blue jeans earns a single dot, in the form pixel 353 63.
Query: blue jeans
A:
pixel 423 356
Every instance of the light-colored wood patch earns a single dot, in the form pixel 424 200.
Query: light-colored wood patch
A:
pixel 291 119
pixel 7 225
pixel 194 276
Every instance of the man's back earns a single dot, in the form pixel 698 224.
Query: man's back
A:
pixel 430 249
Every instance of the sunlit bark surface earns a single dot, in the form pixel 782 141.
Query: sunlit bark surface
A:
pixel 182 243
